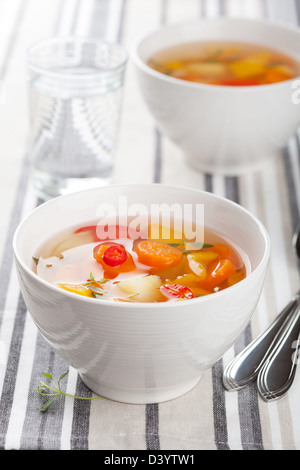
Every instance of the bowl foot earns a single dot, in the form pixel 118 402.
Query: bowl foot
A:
pixel 139 396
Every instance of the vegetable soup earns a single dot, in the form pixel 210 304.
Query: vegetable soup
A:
pixel 140 270
pixel 225 63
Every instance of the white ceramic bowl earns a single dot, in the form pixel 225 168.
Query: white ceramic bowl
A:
pixel 138 352
pixel 221 129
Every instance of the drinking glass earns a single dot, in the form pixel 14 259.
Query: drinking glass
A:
pixel 75 98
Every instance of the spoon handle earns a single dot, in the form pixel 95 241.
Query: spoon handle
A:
pixel 245 366
pixel 277 374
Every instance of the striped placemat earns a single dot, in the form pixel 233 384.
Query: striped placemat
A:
pixel 207 417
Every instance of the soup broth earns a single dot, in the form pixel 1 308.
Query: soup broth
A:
pixel 139 270
pixel 225 63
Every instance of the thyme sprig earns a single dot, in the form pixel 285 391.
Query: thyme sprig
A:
pixel 53 391
pixel 190 247
pixel 96 286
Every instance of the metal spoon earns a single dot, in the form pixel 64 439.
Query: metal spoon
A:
pixel 278 371
pixel 246 366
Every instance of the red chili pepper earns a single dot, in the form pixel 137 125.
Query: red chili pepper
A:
pixel 115 255
pixel 177 290
pixel 118 231
pixel 97 247
pixel 239 82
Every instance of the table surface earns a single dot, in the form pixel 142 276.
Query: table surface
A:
pixel 207 417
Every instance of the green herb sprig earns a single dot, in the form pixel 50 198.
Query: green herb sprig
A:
pixel 53 391
pixel 96 286
pixel 190 247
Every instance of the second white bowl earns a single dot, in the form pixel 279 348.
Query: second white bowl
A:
pixel 221 129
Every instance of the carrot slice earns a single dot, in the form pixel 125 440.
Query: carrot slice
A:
pixel 227 252
pixel 218 272
pixel 158 254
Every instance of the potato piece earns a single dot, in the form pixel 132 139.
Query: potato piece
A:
pixel 142 289
pixel 207 69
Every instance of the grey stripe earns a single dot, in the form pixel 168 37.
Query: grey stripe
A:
pixel 294 204
pixel 219 408
pixel 222 8
pixel 42 431
pixel 208 183
pixel 298 139
pixel 297 4
pixel 99 18
pixel 12 40
pixel 157 161
pixel 232 188
pixel 81 418
pixel 251 433
pixel 152 427
pixel 121 23
pixel 6 400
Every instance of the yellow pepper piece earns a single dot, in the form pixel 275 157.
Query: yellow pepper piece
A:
pixel 198 268
pixel 247 69
pixel 188 280
pixel 77 289
pixel 204 257
pixel 165 234
pixel 175 65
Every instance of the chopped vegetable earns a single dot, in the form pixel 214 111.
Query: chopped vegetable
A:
pixel 157 254
pixel 218 272
pixel 240 82
pixel 114 259
pixel 142 289
pixel 77 289
pixel 177 290
pixel 141 270
pixel 114 255
pixel 225 64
